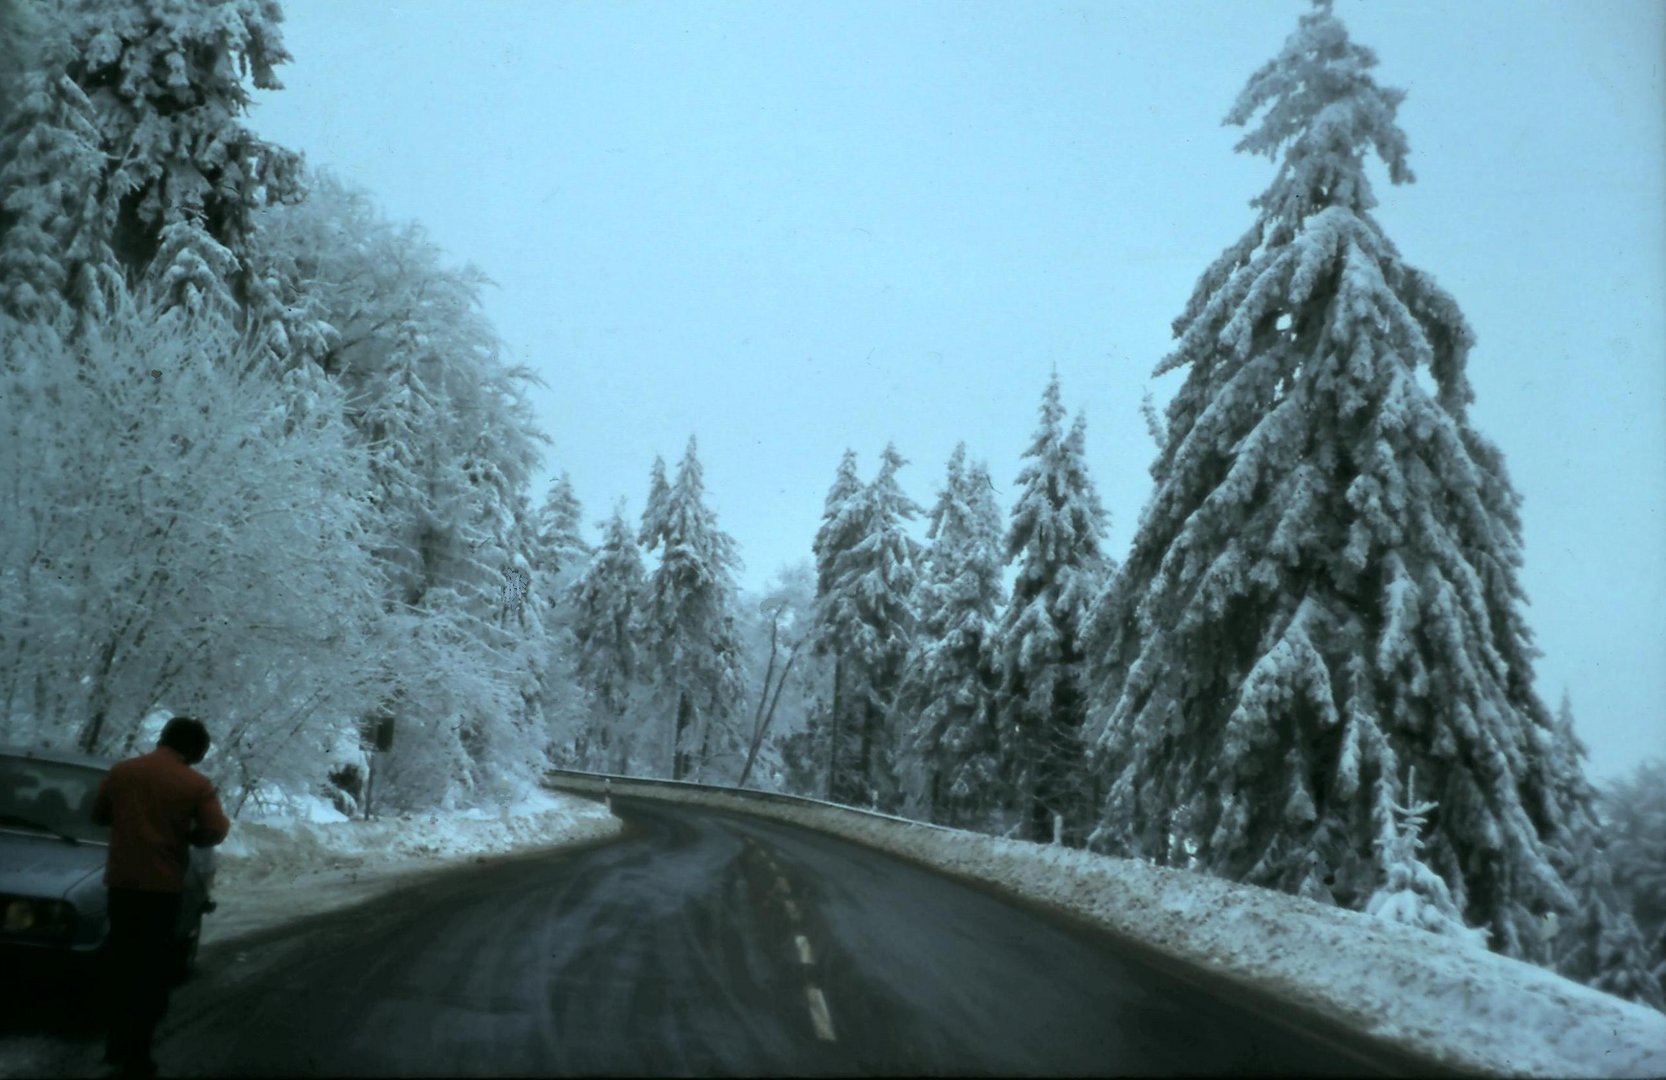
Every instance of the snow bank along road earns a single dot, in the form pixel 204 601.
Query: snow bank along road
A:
pixel 711 943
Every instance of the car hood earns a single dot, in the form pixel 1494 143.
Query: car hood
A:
pixel 45 866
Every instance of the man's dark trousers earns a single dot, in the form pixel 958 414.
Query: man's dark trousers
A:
pixel 142 960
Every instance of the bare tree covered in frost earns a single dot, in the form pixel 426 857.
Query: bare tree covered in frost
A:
pixel 452 447
pixel 125 162
pixel 690 626
pixel 173 539
pixel 1055 538
pixel 604 603
pixel 868 602
pixel 780 636
pixel 948 761
pixel 1322 593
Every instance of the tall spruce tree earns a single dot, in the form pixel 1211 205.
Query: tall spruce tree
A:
pixel 55 228
pixel 1633 813
pixel 20 32
pixel 1599 942
pixel 604 601
pixel 871 584
pixel 842 527
pixel 691 627
pixel 560 540
pixel 949 754
pixel 1055 539
pixel 170 83
pixel 1322 593
pixel 653 512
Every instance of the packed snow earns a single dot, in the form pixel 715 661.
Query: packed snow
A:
pixel 1461 1006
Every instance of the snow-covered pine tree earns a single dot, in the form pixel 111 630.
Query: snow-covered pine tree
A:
pixel 1633 814
pixel 1411 893
pixel 192 273
pixel 653 511
pixel 1322 592
pixel 691 629
pixel 285 314
pixel 872 582
pixel 1055 539
pixel 1599 942
pixel 842 527
pixel 603 602
pixel 949 753
pixel 20 33
pixel 560 540
pixel 55 256
pixel 170 84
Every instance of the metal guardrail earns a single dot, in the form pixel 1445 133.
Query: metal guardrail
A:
pixel 593 782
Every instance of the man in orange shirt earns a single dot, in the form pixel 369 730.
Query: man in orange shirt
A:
pixel 156 805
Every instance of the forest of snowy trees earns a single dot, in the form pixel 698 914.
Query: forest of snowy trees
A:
pixel 262 460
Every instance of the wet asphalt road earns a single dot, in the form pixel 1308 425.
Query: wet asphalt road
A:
pixel 706 943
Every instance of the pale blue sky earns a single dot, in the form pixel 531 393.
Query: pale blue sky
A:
pixel 794 227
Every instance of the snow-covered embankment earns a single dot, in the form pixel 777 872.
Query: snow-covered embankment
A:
pixel 1470 1009
pixel 307 858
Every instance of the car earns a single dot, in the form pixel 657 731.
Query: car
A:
pixel 53 904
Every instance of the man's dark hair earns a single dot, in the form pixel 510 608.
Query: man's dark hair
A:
pixel 187 735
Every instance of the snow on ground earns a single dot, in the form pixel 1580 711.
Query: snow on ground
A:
pixel 1462 1006
pixel 302 857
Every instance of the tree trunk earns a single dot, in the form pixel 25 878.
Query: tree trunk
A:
pixel 833 726
pixel 685 719
pixel 99 708
pixel 763 726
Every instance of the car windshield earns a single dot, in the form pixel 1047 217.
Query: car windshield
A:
pixel 50 796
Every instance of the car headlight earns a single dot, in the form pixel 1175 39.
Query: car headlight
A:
pixel 32 918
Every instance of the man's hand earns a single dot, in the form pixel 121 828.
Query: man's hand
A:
pixel 211 825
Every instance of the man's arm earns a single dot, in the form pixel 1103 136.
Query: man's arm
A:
pixel 212 823
pixel 101 805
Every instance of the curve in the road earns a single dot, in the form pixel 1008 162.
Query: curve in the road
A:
pixel 708 943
